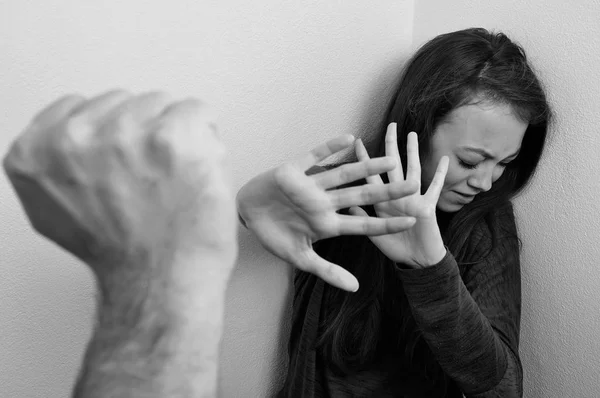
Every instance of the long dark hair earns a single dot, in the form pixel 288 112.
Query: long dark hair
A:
pixel 447 72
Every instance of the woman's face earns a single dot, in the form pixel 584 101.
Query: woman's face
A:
pixel 480 139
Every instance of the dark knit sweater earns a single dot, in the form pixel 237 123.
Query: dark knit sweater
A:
pixel 469 317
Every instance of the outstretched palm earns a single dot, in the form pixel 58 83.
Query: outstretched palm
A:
pixel 288 210
pixel 421 245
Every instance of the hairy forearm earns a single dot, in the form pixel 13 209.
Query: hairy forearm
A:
pixel 158 342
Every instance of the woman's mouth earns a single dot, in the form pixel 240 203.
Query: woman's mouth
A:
pixel 463 196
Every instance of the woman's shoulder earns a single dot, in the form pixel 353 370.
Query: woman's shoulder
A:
pixel 501 217
pixel 494 241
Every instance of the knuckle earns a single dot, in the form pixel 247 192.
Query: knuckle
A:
pixel 113 133
pixel 191 108
pixel 367 195
pixel 345 173
pixel 366 228
pixel 161 97
pixel 153 94
pixel 75 123
pixel 117 93
pixel 163 129
pixel 68 139
pixel 65 145
pixel 75 126
pixel 122 121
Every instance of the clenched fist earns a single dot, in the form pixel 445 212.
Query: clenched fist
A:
pixel 132 185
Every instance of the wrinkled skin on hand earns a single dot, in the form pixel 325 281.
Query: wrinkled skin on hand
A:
pixel 127 182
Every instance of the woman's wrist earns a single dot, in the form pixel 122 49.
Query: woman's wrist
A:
pixel 434 248
pixel 432 258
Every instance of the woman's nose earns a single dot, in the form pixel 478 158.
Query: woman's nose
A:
pixel 482 179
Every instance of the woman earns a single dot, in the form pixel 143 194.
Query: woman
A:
pixel 438 309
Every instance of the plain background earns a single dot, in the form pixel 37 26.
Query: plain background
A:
pixel 284 77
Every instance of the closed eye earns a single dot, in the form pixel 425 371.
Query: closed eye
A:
pixel 467 165
pixel 506 164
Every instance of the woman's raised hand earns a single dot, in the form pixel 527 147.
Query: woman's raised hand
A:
pixel 288 210
pixel 421 245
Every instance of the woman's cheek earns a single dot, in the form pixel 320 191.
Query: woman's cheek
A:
pixel 455 176
pixel 497 173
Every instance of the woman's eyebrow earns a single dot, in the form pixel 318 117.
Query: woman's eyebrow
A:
pixel 486 154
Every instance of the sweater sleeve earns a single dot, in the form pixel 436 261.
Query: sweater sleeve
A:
pixel 471 323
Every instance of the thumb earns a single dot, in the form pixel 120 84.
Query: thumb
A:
pixel 331 273
pixel 357 211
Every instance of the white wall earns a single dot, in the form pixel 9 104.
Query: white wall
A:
pixel 283 76
pixel 559 216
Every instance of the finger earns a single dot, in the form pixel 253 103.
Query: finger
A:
pixel 360 223
pixel 371 194
pixel 329 272
pixel 189 112
pixel 437 183
pixel 99 107
pixel 391 149
pixel 363 155
pixel 58 110
pixel 323 151
pixel 147 106
pixel 354 171
pixel 21 155
pixel 379 238
pixel 413 162
pixel 133 116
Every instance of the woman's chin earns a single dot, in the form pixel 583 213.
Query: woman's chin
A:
pixel 449 206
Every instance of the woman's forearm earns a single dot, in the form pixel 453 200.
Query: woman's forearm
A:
pixel 473 334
